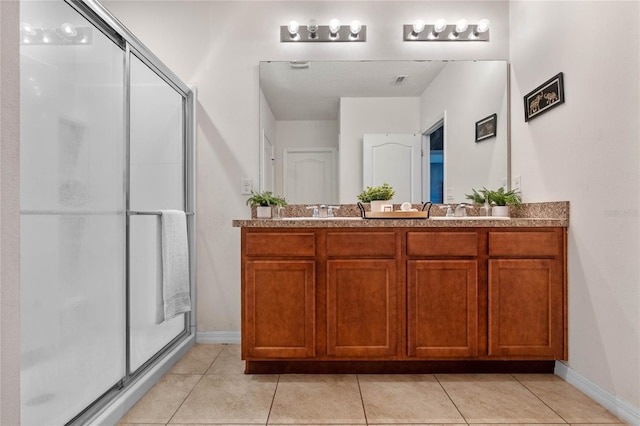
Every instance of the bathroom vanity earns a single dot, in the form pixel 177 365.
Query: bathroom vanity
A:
pixel 408 295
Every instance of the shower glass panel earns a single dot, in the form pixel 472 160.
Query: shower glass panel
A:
pixel 157 183
pixel 72 213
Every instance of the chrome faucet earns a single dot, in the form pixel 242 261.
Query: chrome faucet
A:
pixel 322 211
pixel 330 210
pixel 461 210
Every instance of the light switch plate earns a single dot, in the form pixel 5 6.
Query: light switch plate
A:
pixel 517 183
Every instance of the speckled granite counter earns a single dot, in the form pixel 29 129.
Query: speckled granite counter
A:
pixel 529 215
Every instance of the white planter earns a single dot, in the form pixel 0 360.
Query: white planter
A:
pixel 501 211
pixel 263 212
pixel 377 205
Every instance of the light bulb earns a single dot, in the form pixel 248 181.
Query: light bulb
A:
pixel 68 29
pixel 461 26
pixel 355 27
pixel 334 26
pixel 483 26
pixel 439 26
pixel 418 26
pixel 293 27
pixel 27 29
pixel 312 26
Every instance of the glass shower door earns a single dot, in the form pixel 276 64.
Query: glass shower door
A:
pixel 72 213
pixel 157 182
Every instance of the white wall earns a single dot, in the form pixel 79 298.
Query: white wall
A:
pixel 305 134
pixel 204 43
pixel 369 115
pixel 469 92
pixel 9 214
pixel 587 151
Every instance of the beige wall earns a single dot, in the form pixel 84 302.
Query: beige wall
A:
pixel 9 222
pixel 587 151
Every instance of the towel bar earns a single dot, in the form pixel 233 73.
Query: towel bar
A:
pixel 155 213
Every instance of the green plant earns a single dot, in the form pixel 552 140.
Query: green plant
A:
pixel 383 193
pixel 265 199
pixel 478 197
pixel 502 197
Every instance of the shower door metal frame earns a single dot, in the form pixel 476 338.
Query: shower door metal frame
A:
pixel 104 21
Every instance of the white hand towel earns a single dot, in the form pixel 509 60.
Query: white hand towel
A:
pixel 176 294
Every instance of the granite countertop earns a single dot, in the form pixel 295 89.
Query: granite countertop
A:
pixel 550 214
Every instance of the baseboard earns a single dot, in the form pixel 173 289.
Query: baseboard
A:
pixel 614 404
pixel 218 337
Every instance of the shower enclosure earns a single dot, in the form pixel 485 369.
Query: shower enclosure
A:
pixel 107 140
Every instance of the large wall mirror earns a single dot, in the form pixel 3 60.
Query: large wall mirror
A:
pixel 432 129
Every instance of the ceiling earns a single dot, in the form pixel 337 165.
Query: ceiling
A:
pixel 313 93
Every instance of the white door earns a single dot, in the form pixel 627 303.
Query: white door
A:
pixel 268 159
pixel 309 175
pixel 394 159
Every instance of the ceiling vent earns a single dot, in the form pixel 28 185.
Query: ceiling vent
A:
pixel 399 80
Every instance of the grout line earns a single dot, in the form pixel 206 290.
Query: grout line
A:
pixel 273 399
pixel 196 384
pixel 451 399
pixel 364 410
pixel 540 399
pixel 187 396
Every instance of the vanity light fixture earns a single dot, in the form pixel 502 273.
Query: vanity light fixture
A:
pixel 441 31
pixel 312 32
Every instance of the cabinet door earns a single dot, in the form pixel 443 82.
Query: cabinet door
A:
pixel 442 308
pixel 525 308
pixel 279 309
pixel 361 308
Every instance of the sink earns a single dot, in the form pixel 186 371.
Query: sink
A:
pixel 469 218
pixel 321 218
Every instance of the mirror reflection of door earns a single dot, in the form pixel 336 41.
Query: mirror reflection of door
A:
pixel 394 159
pixel 309 175
pixel 268 167
pixel 436 164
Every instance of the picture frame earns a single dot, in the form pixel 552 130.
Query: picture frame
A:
pixel 548 95
pixel 486 128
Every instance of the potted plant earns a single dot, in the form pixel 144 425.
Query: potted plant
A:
pixel 501 199
pixel 263 202
pixel 481 197
pixel 377 196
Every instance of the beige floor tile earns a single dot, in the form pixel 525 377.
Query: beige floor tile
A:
pixel 162 400
pixel 141 424
pixel 571 404
pixel 198 359
pixel 495 398
pixel 317 399
pixel 406 399
pixel 228 362
pixel 228 399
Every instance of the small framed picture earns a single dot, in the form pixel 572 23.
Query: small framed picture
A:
pixel 548 95
pixel 486 128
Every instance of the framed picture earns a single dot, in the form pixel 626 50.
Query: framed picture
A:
pixel 548 95
pixel 486 128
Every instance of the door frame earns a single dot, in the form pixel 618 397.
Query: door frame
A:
pixel 432 125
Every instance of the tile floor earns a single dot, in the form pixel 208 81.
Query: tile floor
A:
pixel 208 387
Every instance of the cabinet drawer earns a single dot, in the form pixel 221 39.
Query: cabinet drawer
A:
pixel 361 244
pixel 281 244
pixel 442 244
pixel 542 243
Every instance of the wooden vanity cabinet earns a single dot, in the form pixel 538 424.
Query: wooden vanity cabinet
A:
pixel 527 306
pixel 403 294
pixel 362 294
pixel 278 295
pixel 442 295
